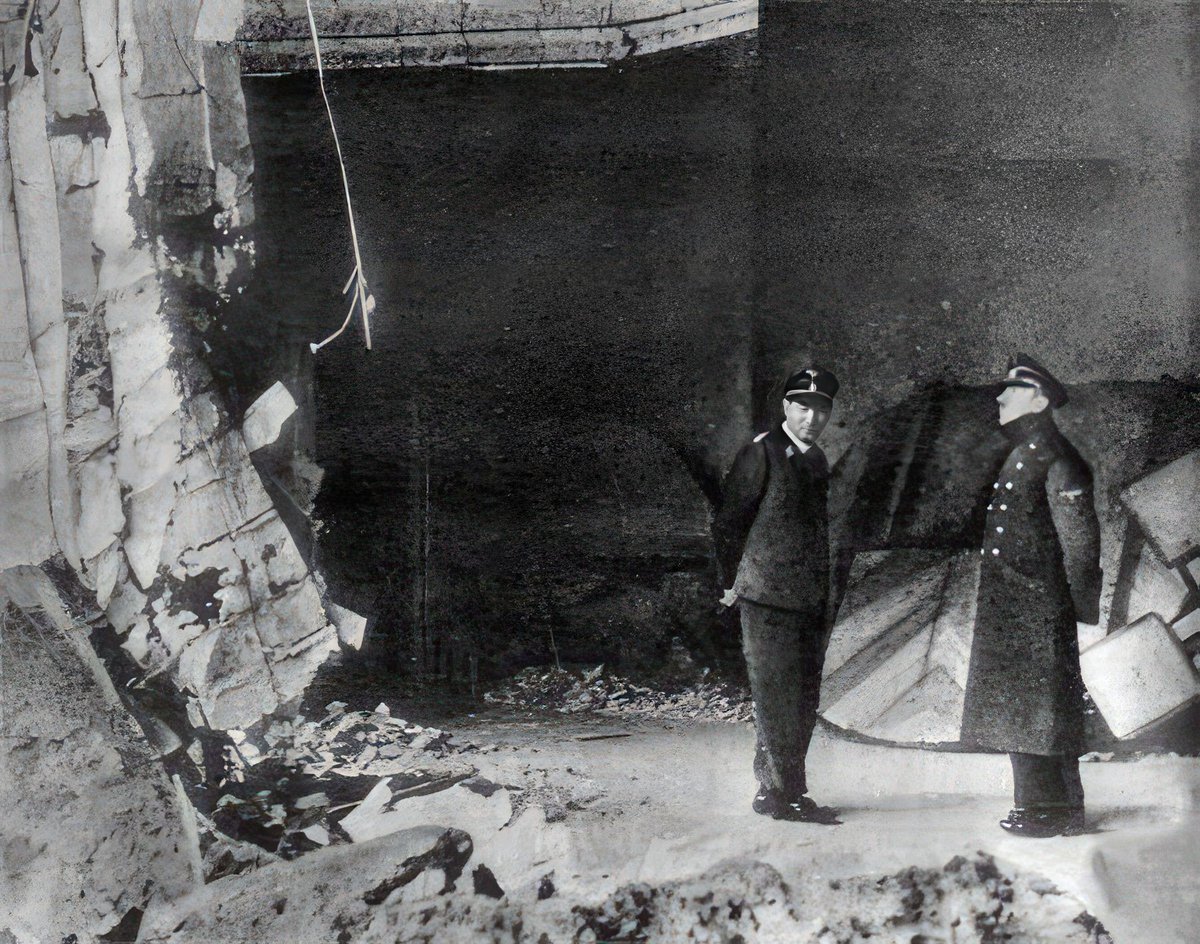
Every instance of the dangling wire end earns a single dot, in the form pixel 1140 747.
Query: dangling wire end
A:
pixel 363 299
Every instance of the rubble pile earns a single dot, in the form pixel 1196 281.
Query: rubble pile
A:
pixel 296 785
pixel 966 901
pixel 571 691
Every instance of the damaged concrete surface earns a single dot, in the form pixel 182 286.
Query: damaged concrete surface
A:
pixel 91 830
pixel 128 162
pixel 506 34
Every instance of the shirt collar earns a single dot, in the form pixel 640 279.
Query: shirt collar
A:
pixel 800 444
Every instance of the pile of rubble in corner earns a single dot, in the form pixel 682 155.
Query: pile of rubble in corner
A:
pixel 298 785
pixel 570 691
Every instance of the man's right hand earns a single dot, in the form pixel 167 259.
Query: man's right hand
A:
pixel 729 599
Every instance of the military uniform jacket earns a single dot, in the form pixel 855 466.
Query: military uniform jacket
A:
pixel 771 531
pixel 1040 572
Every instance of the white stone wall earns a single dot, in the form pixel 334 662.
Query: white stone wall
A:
pixel 128 161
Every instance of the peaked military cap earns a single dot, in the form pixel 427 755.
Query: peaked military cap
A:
pixel 811 382
pixel 1024 371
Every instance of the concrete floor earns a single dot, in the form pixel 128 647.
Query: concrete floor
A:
pixel 659 805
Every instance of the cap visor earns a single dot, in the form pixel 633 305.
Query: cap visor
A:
pixel 801 396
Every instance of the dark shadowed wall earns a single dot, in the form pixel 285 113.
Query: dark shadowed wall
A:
pixel 590 281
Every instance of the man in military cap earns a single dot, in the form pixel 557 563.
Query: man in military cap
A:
pixel 772 541
pixel 1040 575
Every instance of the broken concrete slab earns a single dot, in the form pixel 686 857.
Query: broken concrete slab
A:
pixel 266 416
pixel 378 815
pixel 327 895
pixel 1156 588
pixel 899 653
pixel 1139 675
pixel 1166 504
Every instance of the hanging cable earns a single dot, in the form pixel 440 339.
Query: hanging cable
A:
pixel 362 299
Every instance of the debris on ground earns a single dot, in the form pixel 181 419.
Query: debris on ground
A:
pixel 572 691
pixel 300 785
pixel 968 901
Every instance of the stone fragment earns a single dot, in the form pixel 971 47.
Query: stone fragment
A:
pixel 101 519
pixel 1187 626
pixel 266 416
pixel 457 806
pixel 1139 675
pixel 350 626
pixel 1166 504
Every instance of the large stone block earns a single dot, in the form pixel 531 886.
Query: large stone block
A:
pixel 898 658
pixel 1139 675
pixel 1166 504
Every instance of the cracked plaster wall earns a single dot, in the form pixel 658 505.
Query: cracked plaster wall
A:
pixel 126 191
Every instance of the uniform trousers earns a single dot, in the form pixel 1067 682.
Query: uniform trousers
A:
pixel 785 653
pixel 1046 781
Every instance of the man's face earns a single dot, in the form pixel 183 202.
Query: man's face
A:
pixel 807 418
pixel 1016 401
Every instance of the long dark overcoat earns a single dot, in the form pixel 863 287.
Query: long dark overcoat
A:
pixel 1040 573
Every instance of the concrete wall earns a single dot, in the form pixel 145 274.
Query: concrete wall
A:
pixel 589 281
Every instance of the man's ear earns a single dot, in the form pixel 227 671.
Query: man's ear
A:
pixel 1039 402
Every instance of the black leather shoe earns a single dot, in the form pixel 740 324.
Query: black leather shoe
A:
pixel 801 810
pixel 1042 824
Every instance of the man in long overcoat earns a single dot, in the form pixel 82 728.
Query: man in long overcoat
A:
pixel 772 540
pixel 1040 575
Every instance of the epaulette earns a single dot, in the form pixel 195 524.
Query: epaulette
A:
pixel 761 436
